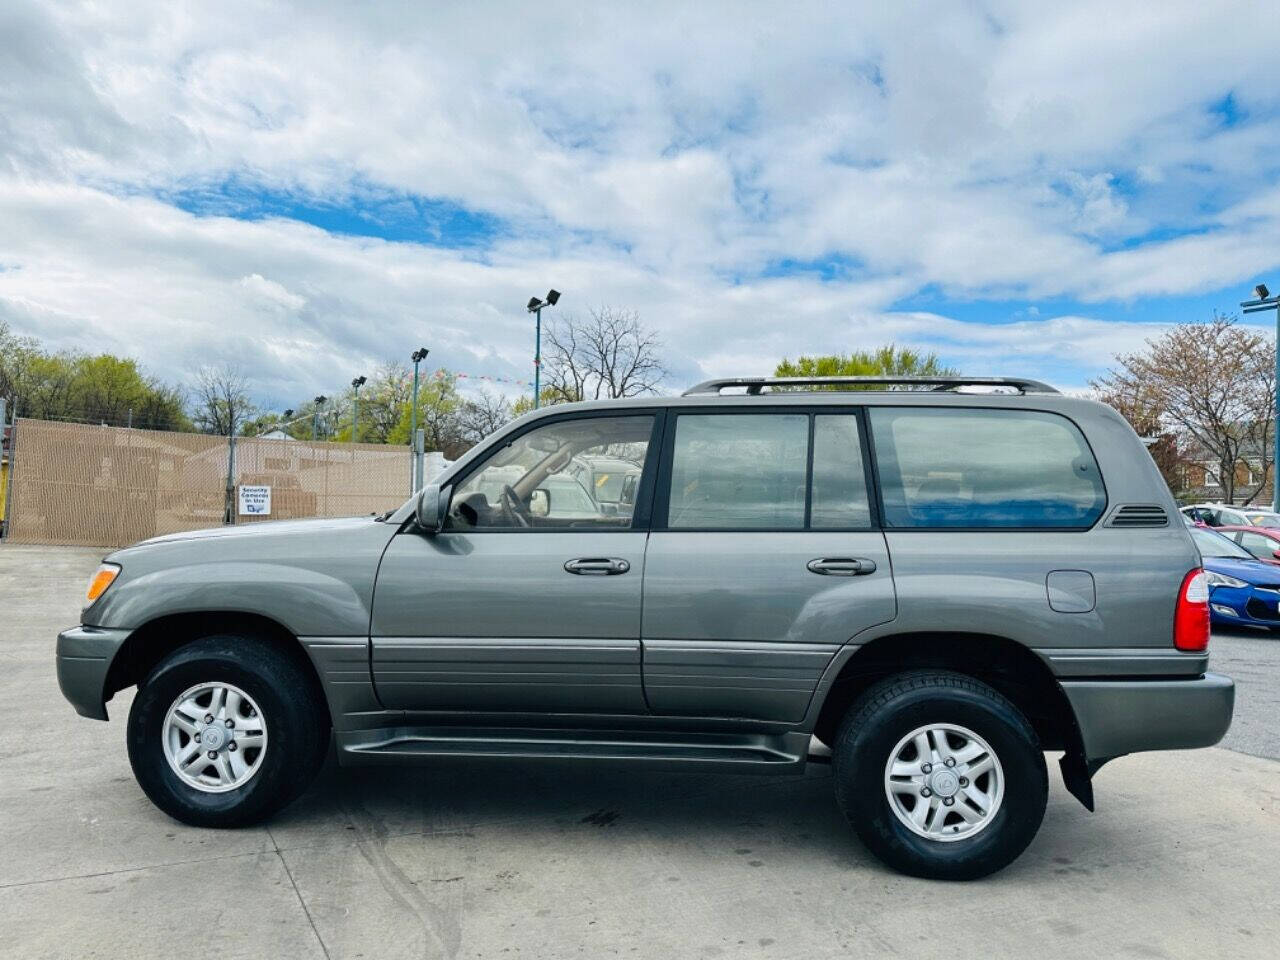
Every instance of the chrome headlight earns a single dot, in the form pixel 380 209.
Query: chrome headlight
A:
pixel 1222 580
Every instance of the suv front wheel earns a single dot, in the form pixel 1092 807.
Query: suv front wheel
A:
pixel 940 775
pixel 225 731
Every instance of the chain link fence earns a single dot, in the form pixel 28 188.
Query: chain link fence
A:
pixel 112 486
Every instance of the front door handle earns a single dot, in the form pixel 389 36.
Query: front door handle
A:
pixel 842 566
pixel 597 566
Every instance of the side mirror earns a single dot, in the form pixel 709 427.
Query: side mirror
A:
pixel 540 502
pixel 429 508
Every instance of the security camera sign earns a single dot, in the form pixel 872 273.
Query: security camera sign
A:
pixel 255 501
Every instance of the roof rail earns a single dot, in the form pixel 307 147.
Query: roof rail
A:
pixel 756 385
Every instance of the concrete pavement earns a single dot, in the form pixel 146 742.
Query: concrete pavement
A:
pixel 1252 659
pixel 472 859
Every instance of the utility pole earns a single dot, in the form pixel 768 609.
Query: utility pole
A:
pixel 6 527
pixel 1265 301
pixel 357 383
pixel 415 467
pixel 231 474
pixel 535 306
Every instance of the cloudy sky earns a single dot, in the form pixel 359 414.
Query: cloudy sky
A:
pixel 306 190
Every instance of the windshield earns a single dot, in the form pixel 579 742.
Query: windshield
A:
pixel 1212 544
pixel 1265 519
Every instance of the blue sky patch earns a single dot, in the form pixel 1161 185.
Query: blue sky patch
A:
pixel 1227 110
pixel 1166 309
pixel 362 212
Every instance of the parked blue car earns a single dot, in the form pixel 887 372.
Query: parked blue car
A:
pixel 1242 588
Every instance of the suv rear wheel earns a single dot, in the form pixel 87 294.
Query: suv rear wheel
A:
pixel 940 775
pixel 226 731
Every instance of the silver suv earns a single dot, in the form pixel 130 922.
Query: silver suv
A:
pixel 940 581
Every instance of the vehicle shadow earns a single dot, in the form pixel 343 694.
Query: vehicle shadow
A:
pixel 1242 632
pixel 531 802
pixel 453 795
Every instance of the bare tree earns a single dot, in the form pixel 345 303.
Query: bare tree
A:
pixel 608 354
pixel 482 414
pixel 1214 384
pixel 220 401
pixel 1137 404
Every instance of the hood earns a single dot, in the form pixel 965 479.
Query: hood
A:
pixel 255 532
pixel 1251 571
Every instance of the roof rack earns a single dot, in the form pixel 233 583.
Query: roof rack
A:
pixel 756 385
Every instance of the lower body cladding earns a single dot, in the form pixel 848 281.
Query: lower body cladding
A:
pixel 1249 606
pixel 670 703
pixel 767 728
pixel 1113 717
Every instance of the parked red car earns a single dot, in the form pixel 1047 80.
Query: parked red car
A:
pixel 1262 542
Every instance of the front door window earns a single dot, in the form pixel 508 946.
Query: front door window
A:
pixel 546 479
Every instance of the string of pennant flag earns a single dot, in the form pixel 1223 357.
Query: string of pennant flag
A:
pixel 442 374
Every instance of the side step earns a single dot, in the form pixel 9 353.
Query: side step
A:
pixel 747 753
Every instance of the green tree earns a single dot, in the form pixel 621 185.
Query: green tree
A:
pixel 524 403
pixel 439 409
pixel 889 361
pixel 112 389
pixel 74 386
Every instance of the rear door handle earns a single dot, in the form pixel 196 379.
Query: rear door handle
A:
pixel 597 566
pixel 842 566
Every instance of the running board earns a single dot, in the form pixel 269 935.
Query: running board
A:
pixel 748 753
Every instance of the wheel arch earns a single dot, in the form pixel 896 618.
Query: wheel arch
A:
pixel 157 638
pixel 1010 667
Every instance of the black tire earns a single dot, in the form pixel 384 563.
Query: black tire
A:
pixel 297 727
pixel 891 710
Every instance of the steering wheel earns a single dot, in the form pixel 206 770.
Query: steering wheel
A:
pixel 513 508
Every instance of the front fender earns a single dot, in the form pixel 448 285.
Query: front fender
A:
pixel 305 601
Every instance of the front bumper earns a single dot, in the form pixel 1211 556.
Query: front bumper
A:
pixel 84 656
pixel 1256 606
pixel 1116 717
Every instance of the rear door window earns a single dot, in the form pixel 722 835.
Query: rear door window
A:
pixel 768 471
pixel 739 471
pixel 976 468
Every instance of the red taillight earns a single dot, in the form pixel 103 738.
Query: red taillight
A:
pixel 1191 619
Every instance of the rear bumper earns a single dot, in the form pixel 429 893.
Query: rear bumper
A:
pixel 84 656
pixel 1116 717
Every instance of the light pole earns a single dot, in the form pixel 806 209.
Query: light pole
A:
pixel 415 480
pixel 1265 301
pixel 315 418
pixel 535 306
pixel 357 383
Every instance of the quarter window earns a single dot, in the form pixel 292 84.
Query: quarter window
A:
pixel 984 468
pixel 839 498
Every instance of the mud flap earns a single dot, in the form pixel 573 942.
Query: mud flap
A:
pixel 1077 778
pixel 1077 775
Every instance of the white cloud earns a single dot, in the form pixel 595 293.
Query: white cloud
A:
pixel 660 157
